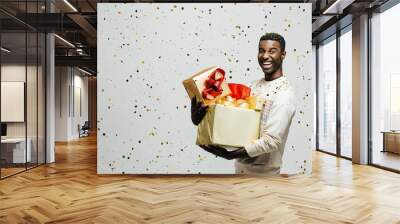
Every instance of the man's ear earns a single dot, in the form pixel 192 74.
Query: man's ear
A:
pixel 283 55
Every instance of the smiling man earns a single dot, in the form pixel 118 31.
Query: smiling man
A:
pixel 264 155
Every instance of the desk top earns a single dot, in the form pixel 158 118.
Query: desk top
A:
pixel 13 140
pixel 390 132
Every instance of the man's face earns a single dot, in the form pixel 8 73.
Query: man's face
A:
pixel 270 56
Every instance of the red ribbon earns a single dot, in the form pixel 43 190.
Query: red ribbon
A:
pixel 239 91
pixel 213 84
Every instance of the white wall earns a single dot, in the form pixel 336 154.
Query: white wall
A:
pixel 34 125
pixel 61 103
pixel 79 117
pixel 68 82
pixel 146 50
pixel 14 72
pixel 17 72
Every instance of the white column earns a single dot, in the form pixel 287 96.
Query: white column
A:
pixel 50 100
pixel 50 91
pixel 360 90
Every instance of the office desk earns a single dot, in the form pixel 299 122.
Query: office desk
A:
pixel 391 141
pixel 13 150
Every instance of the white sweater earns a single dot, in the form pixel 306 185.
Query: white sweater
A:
pixel 267 151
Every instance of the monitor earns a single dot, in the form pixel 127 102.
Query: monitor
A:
pixel 3 129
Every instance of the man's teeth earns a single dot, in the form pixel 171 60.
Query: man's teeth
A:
pixel 267 65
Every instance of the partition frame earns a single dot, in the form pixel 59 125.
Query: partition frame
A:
pixel 337 35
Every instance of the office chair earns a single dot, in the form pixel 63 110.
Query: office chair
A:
pixel 84 130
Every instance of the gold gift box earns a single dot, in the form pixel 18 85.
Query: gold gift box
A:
pixel 194 85
pixel 227 125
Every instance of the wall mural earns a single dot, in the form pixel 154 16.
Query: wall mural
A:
pixel 146 50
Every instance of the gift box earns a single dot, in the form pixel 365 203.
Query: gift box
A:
pixel 228 125
pixel 207 85
pixel 233 116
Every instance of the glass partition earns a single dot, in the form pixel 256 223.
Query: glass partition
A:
pixel 13 104
pixel 32 95
pixel 22 77
pixel 327 95
pixel 346 93
pixel 385 89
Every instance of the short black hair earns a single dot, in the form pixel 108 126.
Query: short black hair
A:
pixel 275 37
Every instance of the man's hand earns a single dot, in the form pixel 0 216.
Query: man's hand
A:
pixel 222 152
pixel 198 110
